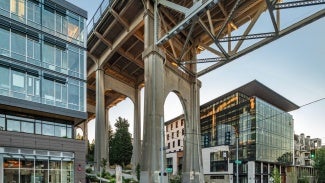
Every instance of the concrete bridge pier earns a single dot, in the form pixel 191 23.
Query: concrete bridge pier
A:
pixel 100 125
pixel 192 160
pixel 153 114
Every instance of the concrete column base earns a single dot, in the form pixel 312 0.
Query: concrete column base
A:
pixel 192 177
pixel 144 177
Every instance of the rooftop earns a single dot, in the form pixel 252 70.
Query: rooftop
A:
pixel 257 89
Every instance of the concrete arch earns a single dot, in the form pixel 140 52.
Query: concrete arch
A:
pixel 187 90
pixel 118 86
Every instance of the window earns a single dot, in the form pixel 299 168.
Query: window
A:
pixel 176 124
pixel 48 128
pixel 33 51
pixel 61 24
pixel 73 95
pixel 168 146
pixel 4 5
pixel 48 91
pixel 179 142
pixel 27 127
pixel 183 131
pixel 61 60
pixel 13 125
pixel 217 162
pixel 73 61
pixel 4 43
pixel 4 79
pixel 33 13
pixel 2 123
pixel 17 8
pixel 18 84
pixel 173 144
pixel 171 126
pixel 18 46
pixel 167 136
pixel 60 95
pixel 177 133
pixel 73 26
pixel 33 88
pixel 172 135
pixel 48 18
pixel 48 55
pixel 60 131
pixel 38 168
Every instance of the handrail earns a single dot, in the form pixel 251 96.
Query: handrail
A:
pixel 97 15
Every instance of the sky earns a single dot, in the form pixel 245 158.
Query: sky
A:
pixel 293 66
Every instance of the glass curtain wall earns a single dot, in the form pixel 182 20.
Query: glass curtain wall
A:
pixel 35 126
pixel 56 20
pixel 64 58
pixel 274 134
pixel 26 168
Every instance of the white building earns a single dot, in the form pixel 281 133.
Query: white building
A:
pixel 174 141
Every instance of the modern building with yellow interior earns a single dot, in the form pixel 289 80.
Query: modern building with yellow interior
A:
pixel 259 117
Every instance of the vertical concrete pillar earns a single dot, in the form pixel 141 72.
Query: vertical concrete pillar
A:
pixel 100 146
pixel 192 165
pixel 107 123
pixel 153 105
pixel 136 130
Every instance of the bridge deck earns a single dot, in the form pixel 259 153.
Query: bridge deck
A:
pixel 117 39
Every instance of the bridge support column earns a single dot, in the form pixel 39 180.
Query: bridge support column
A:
pixel 100 146
pixel 192 162
pixel 107 123
pixel 136 131
pixel 153 104
pixel 153 116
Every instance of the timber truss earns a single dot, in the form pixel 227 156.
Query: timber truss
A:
pixel 210 25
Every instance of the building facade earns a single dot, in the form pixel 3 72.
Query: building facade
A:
pixel 265 133
pixel 42 91
pixel 304 154
pixel 174 140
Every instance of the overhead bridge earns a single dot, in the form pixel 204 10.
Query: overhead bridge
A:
pixel 154 44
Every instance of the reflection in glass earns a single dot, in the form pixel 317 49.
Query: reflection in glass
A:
pixel 27 127
pixel 13 125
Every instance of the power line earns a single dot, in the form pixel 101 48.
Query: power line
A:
pixel 304 105
pixel 315 101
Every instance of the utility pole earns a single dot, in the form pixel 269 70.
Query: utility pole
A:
pixel 237 162
pixel 162 150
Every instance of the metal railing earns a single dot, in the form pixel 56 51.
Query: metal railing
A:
pixel 97 15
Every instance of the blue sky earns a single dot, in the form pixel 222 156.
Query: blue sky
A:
pixel 293 66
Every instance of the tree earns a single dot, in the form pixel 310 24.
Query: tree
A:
pixel 120 150
pixel 320 164
pixel 285 159
pixel 276 175
pixel 91 151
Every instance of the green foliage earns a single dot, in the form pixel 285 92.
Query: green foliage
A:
pixel 120 150
pixel 122 123
pixel 276 175
pixel 175 179
pixel 138 171
pixel 90 151
pixel 285 159
pixel 89 170
pixel 110 133
pixel 320 164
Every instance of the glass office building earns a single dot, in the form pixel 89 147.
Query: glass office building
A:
pixel 42 90
pixel 265 130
